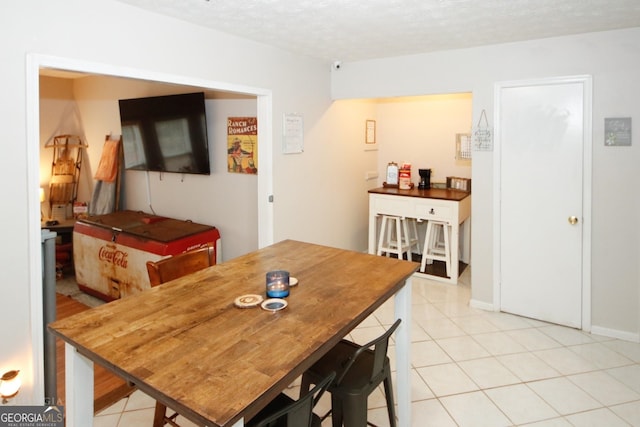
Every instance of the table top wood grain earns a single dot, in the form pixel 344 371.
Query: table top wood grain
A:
pixel 187 345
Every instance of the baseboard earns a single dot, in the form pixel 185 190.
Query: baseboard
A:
pixel 614 333
pixel 595 330
pixel 481 305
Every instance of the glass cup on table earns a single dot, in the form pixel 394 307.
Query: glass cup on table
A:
pixel 277 284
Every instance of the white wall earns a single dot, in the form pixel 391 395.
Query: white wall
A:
pixel 319 189
pixel 613 59
pixel 421 130
pixel 315 192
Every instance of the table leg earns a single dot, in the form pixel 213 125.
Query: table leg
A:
pixel 403 353
pixel 79 388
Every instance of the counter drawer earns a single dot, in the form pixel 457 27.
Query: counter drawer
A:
pixel 433 211
pixel 390 205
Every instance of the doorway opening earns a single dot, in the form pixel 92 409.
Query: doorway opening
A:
pixel 37 62
pixel 426 132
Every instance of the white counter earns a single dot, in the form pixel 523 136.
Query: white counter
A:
pixel 452 206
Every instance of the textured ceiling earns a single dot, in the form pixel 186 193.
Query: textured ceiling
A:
pixel 351 30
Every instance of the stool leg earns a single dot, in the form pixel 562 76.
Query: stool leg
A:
pixel 383 227
pixel 435 238
pixel 390 231
pixel 406 240
pixel 438 237
pixel 425 251
pixel 447 248
pixel 399 237
pixel 414 224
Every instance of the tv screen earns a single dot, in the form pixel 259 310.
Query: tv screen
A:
pixel 165 134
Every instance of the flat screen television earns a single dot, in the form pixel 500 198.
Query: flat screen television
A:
pixel 165 134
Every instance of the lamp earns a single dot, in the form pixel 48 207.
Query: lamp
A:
pixel 41 200
pixel 9 385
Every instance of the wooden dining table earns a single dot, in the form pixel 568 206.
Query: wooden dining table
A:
pixel 187 345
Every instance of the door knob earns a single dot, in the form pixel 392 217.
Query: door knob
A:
pixel 573 220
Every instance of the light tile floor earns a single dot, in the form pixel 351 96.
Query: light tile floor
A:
pixel 476 368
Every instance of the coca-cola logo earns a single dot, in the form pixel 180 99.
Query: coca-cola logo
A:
pixel 110 254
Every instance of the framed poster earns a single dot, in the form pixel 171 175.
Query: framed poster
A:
pixel 242 145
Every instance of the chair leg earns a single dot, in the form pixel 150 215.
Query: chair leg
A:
pixel 158 417
pixel 337 414
pixel 305 385
pixel 356 412
pixel 388 392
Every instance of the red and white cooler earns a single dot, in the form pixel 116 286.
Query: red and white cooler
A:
pixel 111 251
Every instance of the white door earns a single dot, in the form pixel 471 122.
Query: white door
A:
pixel 541 135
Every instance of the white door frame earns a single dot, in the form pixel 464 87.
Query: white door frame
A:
pixel 37 61
pixel 587 166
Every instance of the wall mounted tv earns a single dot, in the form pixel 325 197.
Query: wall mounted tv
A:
pixel 165 134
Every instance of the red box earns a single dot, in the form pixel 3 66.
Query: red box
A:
pixel 111 251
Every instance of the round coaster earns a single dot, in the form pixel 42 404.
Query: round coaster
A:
pixel 247 301
pixel 273 304
pixel 293 281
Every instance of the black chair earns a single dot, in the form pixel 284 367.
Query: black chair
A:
pixel 359 370
pixel 283 411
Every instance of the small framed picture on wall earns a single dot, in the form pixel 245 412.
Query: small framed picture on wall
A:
pixel 617 131
pixel 370 135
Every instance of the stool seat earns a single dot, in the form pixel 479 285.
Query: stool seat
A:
pixel 395 238
pixel 434 248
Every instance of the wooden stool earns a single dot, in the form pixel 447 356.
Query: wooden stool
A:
pixel 395 238
pixel 434 248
